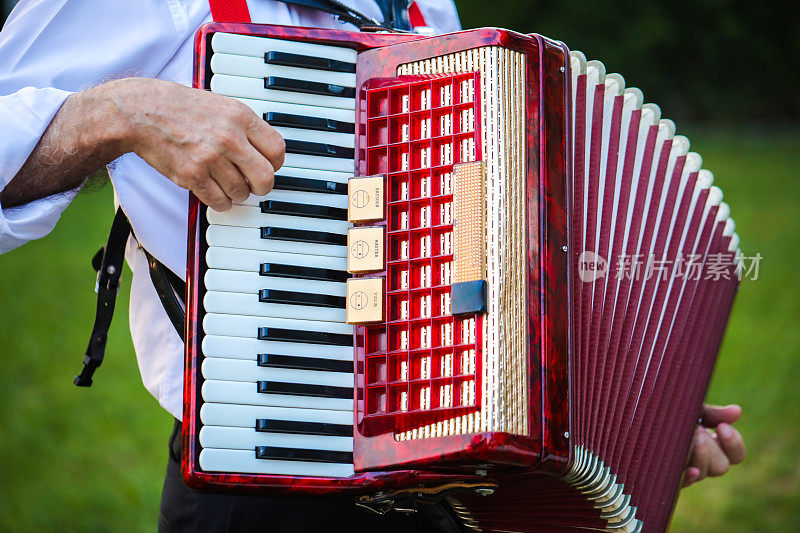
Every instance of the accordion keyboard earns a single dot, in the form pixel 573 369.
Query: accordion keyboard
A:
pixel 278 355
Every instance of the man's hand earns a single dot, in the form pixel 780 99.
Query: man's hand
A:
pixel 713 452
pixel 212 145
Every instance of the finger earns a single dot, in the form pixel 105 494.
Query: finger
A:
pixel 208 192
pixel 707 455
pixel 713 415
pixel 256 169
pixel 691 475
pixel 731 443
pixel 700 456
pixel 267 141
pixel 231 181
pixel 718 463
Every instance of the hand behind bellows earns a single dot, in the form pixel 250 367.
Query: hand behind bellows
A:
pixel 212 145
pixel 713 452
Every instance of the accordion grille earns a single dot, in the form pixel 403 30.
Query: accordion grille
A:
pixel 504 402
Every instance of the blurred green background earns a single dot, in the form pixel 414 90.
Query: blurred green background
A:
pixel 93 460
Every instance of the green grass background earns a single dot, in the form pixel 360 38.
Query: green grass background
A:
pixel 92 460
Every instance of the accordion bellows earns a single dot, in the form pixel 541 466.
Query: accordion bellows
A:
pixel 512 306
pixel 648 315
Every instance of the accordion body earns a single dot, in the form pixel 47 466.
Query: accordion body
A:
pixel 424 309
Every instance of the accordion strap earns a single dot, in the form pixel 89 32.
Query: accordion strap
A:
pixel 108 263
pixel 395 13
pixel 170 289
pixel 229 10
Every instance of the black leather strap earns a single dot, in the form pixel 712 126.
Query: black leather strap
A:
pixel 108 262
pixel 395 13
pixel 109 268
pixel 170 289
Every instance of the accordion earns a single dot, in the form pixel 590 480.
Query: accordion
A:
pixel 483 277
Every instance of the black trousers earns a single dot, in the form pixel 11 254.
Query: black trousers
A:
pixel 183 510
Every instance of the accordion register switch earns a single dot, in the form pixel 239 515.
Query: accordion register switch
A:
pixel 365 249
pixel 365 199
pixel 364 300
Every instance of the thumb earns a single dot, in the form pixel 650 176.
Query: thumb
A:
pixel 713 415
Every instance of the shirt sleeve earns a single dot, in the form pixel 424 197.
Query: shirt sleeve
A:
pixel 50 49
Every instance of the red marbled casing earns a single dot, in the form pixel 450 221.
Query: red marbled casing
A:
pixel 382 463
pixel 547 445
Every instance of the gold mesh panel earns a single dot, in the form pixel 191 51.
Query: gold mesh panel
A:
pixel 469 250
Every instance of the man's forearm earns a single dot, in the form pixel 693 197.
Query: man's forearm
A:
pixel 212 145
pixel 85 134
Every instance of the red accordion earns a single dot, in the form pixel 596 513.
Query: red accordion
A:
pixel 484 277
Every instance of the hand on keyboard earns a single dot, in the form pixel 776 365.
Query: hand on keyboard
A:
pixel 212 145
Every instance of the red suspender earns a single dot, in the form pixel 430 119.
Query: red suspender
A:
pixel 229 10
pixel 415 16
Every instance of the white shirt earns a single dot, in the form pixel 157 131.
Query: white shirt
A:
pixel 52 48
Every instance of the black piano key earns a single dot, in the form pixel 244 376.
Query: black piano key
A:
pixel 299 454
pixel 309 123
pixel 288 183
pixel 310 87
pixel 300 335
pixel 302 235
pixel 305 389
pixel 274 360
pixel 318 149
pixel 292 427
pixel 318 63
pixel 276 207
pixel 302 272
pixel 301 298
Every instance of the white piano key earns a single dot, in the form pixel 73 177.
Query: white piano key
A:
pixel 347 140
pixel 316 162
pixel 244 438
pixel 254 67
pixel 249 45
pixel 242 393
pixel 250 260
pixel 242 348
pixel 244 87
pixel 299 197
pixel 250 372
pixel 224 414
pixel 216 460
pixel 262 106
pixel 251 282
pixel 246 216
pixel 247 326
pixel 248 304
pixel 250 238
pixel 327 175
